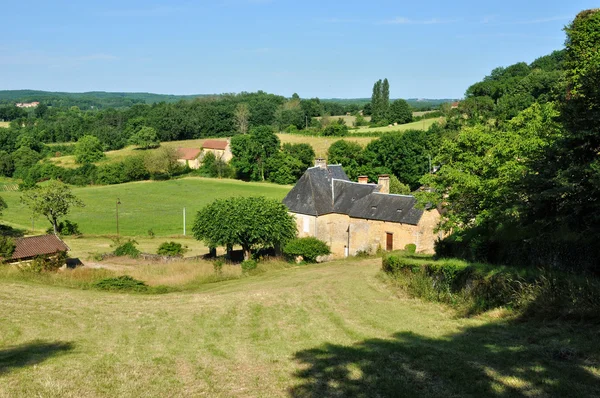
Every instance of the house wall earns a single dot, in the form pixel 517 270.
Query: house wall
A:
pixel 340 232
pixel 193 164
pixel 224 155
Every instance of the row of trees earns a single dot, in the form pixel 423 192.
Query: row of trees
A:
pixel 382 112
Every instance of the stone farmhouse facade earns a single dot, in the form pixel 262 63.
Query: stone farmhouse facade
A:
pixel 189 156
pixel 357 216
pixel 220 148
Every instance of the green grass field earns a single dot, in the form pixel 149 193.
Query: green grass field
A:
pixel 330 330
pixel 156 205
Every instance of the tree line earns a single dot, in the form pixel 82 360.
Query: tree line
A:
pixel 520 175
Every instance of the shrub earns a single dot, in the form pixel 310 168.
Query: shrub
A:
pixel 121 283
pixel 7 247
pixel 171 249
pixel 335 130
pixel 249 265
pixel 66 228
pixel 410 248
pixel 218 266
pixel 309 248
pixel 475 288
pixel 151 233
pixel 46 264
pixel 127 249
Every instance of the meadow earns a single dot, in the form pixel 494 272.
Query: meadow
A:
pixel 146 205
pixel 420 125
pixel 335 329
pixel 319 144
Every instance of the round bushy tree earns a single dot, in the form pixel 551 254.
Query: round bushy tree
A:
pixel 88 149
pixel 250 222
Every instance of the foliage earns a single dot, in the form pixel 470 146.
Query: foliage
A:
pixel 145 138
pixel 398 188
pixel 251 152
pixel 46 263
pixel 242 117
pixel 410 248
pixel 7 247
pixel 215 167
pixel 251 222
pixel 380 102
pixel 248 265
pixel 309 248
pixel 53 201
pixel 129 248
pixel 66 228
pixel 400 112
pixel 162 163
pixel 88 149
pixel 121 283
pixel 335 130
pixel 283 168
pixel 405 154
pixel 171 249
pixel 347 153
pixel 475 288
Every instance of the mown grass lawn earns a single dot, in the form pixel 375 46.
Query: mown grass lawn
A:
pixel 309 331
pixel 156 205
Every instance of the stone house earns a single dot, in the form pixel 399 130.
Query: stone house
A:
pixel 357 216
pixel 189 156
pixel 220 148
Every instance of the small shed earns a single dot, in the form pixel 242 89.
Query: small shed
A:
pixel 28 248
pixel 189 156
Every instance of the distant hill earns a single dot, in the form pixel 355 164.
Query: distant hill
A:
pixel 90 99
pixel 103 99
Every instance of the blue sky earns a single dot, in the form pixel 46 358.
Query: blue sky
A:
pixel 426 49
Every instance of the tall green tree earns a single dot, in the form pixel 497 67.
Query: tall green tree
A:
pixel 53 201
pixel 250 222
pixel 145 138
pixel 251 152
pixel 400 112
pixel 88 149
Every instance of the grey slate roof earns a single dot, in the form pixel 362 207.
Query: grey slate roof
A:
pixel 322 191
pixel 386 207
pixel 312 193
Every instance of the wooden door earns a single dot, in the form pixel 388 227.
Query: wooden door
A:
pixel 389 241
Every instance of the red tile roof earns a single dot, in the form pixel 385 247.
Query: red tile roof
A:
pixel 215 144
pixel 188 153
pixel 38 245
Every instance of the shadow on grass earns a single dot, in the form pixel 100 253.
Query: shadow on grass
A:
pixel 6 230
pixel 492 360
pixel 30 354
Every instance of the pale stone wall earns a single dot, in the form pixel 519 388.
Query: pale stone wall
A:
pixel 343 233
pixel 224 155
pixel 193 164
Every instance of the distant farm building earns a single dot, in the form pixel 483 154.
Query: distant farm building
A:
pixel 353 217
pixel 454 105
pixel 27 104
pixel 26 249
pixel 220 148
pixel 189 156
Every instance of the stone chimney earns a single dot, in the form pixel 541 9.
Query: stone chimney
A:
pixel 363 179
pixel 320 162
pixel 384 183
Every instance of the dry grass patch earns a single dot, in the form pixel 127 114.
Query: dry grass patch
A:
pixel 321 144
